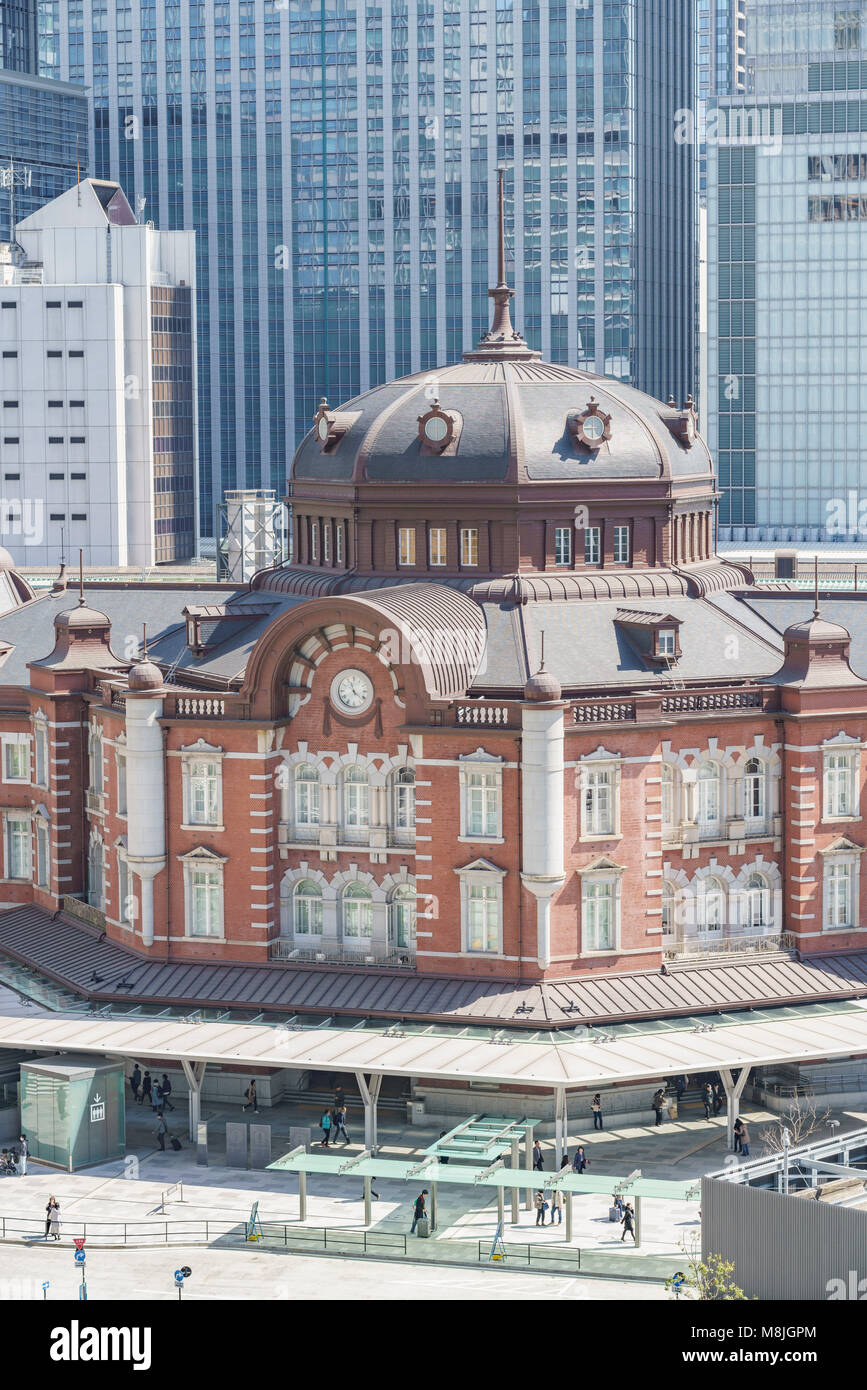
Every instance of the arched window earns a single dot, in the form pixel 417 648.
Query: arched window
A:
pixel 404 799
pixel 307 908
pixel 357 912
pixel 96 874
pixel 306 797
pixel 758 903
pixel 356 797
pixel 95 760
pixel 754 790
pixel 708 786
pixel 401 918
pixel 669 811
pixel 711 905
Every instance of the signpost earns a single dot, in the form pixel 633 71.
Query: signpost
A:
pixel 180 1275
pixel 45 1286
pixel 254 1225
pixel 80 1257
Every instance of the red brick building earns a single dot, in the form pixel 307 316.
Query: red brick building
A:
pixel 504 715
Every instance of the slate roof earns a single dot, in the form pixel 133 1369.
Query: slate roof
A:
pixel 72 954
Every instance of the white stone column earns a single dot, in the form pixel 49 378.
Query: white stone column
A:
pixel 145 824
pixel 542 793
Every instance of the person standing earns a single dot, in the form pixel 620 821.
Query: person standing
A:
pixel 145 1092
pixel 541 1207
pixel 719 1098
pixel 419 1210
pixel 745 1140
pixel 251 1099
pixel 167 1091
pixel 628 1223
pixel 596 1107
pixel 157 1097
pixel 657 1104
pixel 557 1203
pixel 739 1134
pixel 54 1219
pixel 162 1131
pixel 580 1161
pixel 135 1081
pixel 50 1205
pixel 708 1099
pixel 340 1119
pixel 22 1155
pixel 679 1088
pixel 538 1158
pixel 325 1126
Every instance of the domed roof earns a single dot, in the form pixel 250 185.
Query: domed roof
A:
pixel 816 629
pixel 542 687
pixel 73 619
pixel 6 561
pixel 145 676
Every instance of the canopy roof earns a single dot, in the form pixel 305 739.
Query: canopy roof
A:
pixel 592 1058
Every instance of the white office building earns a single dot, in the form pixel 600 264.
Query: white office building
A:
pixel 97 385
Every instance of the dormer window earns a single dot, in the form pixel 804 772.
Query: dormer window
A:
pixel 590 427
pixel 330 426
pixel 682 423
pixel 655 637
pixel 439 430
pixel 666 641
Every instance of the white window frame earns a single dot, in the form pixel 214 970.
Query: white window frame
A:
pixel 42 864
pixel 438 546
pixel 403 896
pixel 592 545
pixel 306 821
pixel 668 796
pixel 757 895
pixel 293 921
pixel 18 817
pixel 666 641
pixel 95 760
pixel 669 907
pixel 338 543
pixel 482 875
pixel 469 547
pixel 360 899
pixel 841 770
pixel 841 864
pixel 204 862
pixel 754 793
pixel 484 796
pixel 39 769
pixel 592 880
pixel 210 758
pixel 622 551
pixel 403 802
pixel 600 808
pixel 96 854
pixel 563 546
pixel 125 892
pixel 16 758
pixel 711 906
pixel 710 825
pixel 314 539
pixel 356 808
pixel 120 780
pixel 406 546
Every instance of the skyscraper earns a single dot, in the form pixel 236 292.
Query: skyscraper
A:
pixel 335 161
pixel 43 125
pixel 786 405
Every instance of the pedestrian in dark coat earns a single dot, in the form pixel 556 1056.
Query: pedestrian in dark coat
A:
pixel 135 1081
pixel 146 1087
pixel 166 1087
pixel 580 1161
pixel 628 1223
pixel 538 1159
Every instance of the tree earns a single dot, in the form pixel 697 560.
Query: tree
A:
pixel 709 1280
pixel 801 1120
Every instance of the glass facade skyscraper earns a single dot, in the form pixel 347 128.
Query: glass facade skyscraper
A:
pixel 43 125
pixel 787 278
pixel 336 160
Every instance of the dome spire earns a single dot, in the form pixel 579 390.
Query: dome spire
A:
pixel 816 585
pixel 501 340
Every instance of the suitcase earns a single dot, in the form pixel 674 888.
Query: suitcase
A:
pixel 613 1214
pixel 423 1227
pixel 176 1143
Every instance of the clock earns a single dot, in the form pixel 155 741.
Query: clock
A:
pixel 351 691
pixel 590 427
pixel 323 428
pixel 436 429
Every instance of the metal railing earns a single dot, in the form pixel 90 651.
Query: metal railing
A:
pixel 542 1256
pixel 730 941
pixel 391 960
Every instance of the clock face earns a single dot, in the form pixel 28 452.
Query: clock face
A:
pixel 352 691
pixel 323 429
pixel 593 427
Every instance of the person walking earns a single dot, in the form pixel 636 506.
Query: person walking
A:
pixel 719 1098
pixel 340 1121
pixel 557 1204
pixel 680 1087
pixel 135 1080
pixel 145 1092
pixel 157 1097
pixel 167 1091
pixel 22 1155
pixel 708 1100
pixel 564 1161
pixel 617 1201
pixel 250 1099
pixel 54 1219
pixel 541 1207
pixel 739 1134
pixel 628 1223
pixel 538 1157
pixel 580 1161
pixel 596 1107
pixel 657 1103
pixel 745 1140
pixel 50 1205
pixel 325 1126
pixel 419 1210
pixel 162 1131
